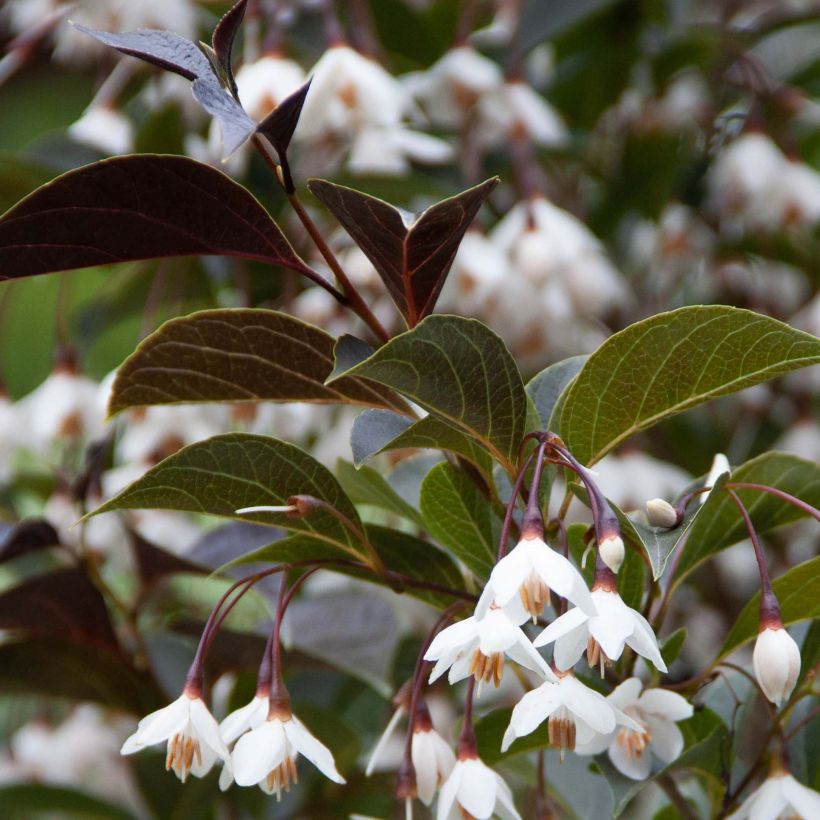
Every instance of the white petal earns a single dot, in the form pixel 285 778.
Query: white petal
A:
pixel 666 704
pixel 769 800
pixel 200 766
pixel 666 738
pixel 460 668
pixel 644 642
pixel 525 654
pixel 447 795
pixel 511 571
pixel 599 743
pixel 248 717
pixel 452 638
pixel 478 789
pixel 497 633
pixel 504 806
pixel 588 704
pixel 613 625
pixel 207 728
pixel 560 626
pixel 805 800
pixel 314 750
pixel 531 711
pixel 637 767
pixel 159 725
pixel 258 752
pixel 225 777
pixel 384 739
pixel 626 693
pixel 559 574
pixel 486 598
pixel 569 648
pixel 424 762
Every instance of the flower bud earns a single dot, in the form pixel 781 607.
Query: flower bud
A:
pixel 661 513
pixel 776 663
pixel 611 550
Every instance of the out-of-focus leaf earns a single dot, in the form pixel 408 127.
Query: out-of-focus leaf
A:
pixel 798 592
pixel 30 535
pixel 167 798
pixel 224 36
pixel 377 431
pixel 400 552
pixel 62 603
pixel 547 386
pixel 460 518
pixel 672 645
pixel 543 21
pixel 670 362
pixel 720 524
pixel 118 210
pixel 355 631
pixel 235 124
pixel 810 649
pixel 412 260
pixel 225 473
pixel 154 563
pixel 161 48
pixel 29 801
pixel 58 668
pixel 237 355
pixel 367 486
pixel 460 371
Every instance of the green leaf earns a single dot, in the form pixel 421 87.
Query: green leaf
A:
pixel 631 579
pixel 237 355
pixel 798 592
pixel 377 431
pixel 461 372
pixel 720 524
pixel 672 645
pixel 546 387
pixel 400 552
pixel 489 731
pixel 225 473
pixel 669 363
pixel 28 801
pixel 810 649
pixel 460 517
pixel 367 486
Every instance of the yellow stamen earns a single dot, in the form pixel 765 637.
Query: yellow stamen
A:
pixel 485 668
pixel 535 595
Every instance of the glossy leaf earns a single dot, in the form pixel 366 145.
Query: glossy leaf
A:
pixel 377 431
pixel 671 362
pixel 413 260
pixel 235 124
pixel 161 48
pixel 798 592
pixel 223 39
pixel 461 372
pixel 458 516
pixel 547 386
pixel 237 355
pixel 225 473
pixel 720 525
pixel 367 486
pixel 118 210
pixel 400 552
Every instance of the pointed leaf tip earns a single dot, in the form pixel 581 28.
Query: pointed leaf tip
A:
pixel 223 39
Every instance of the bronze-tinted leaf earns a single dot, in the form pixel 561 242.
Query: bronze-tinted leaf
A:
pixel 412 260
pixel 161 48
pixel 31 535
pixel 223 37
pixel 137 207
pixel 238 355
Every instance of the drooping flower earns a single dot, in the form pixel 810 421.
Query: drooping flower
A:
pixel 432 757
pixel 655 712
pixel 603 635
pixel 194 741
pixel 530 570
pixel 577 714
pixel 720 465
pixel 245 718
pixel 473 789
pixel 266 755
pixel 780 795
pixel 776 662
pixel 477 645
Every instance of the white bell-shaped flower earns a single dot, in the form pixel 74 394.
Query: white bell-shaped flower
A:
pixel 477 645
pixel 104 128
pixel 263 84
pixel 245 718
pixel 776 661
pixel 530 570
pixel 194 741
pixel 266 755
pixel 655 712
pixel 433 760
pixel 473 789
pixel 576 714
pixel 780 795
pixel 602 635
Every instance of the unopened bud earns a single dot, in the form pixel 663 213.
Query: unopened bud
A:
pixel 776 661
pixel 661 513
pixel 612 551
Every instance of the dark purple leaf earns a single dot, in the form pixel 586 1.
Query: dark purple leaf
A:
pixel 348 351
pixel 223 37
pixel 413 261
pixel 279 125
pixel 137 207
pixel 161 48
pixel 28 536
pixel 62 604
pixel 236 125
pixel 153 562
